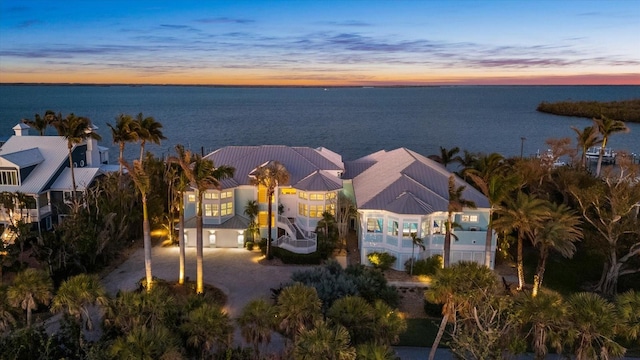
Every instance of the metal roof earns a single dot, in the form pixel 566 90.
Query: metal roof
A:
pixel 319 181
pixel 300 162
pixel 54 152
pixel 84 178
pixel 23 158
pixel 402 177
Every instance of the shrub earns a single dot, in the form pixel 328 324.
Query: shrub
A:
pixel 381 260
pixel 249 245
pixel 432 309
pixel 428 266
pixel 289 257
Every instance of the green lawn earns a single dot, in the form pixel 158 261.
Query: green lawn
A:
pixel 421 332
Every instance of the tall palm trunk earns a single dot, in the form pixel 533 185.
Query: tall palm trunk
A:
pixel 146 233
pixel 181 238
pixel 447 241
pixel 538 277
pixel 121 156
pixel 199 245
pixel 270 214
pixel 520 260
pixel 73 174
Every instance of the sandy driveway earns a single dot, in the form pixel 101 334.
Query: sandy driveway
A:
pixel 234 271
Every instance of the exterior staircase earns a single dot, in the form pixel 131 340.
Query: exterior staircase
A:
pixel 296 239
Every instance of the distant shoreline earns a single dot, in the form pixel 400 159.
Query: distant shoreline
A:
pixel 365 86
pixel 624 110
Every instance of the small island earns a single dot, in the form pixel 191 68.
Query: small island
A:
pixel 626 110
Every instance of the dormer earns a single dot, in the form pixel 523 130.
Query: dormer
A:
pixel 16 166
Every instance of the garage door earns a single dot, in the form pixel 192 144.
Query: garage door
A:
pixel 226 239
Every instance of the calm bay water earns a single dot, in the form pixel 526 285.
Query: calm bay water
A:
pixel 351 121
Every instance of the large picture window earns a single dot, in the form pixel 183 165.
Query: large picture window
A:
pixel 316 197
pixel 408 228
pixel 210 209
pixel 211 195
pixel 226 209
pixel 374 225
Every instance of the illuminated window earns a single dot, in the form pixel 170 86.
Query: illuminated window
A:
pixel 211 195
pixel 438 227
pixel 226 209
pixel 210 209
pixel 392 228
pixel 303 209
pixel 262 218
pixel 8 177
pixel 469 218
pixel 316 197
pixel 331 209
pixel 303 195
pixel 262 194
pixel 374 225
pixel 287 191
pixel 316 211
pixel 191 198
pixel 226 194
pixel 330 195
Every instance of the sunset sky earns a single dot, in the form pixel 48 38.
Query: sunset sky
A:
pixel 325 42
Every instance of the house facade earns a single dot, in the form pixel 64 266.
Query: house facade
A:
pixel 34 171
pixel 396 193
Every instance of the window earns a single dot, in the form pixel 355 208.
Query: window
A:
pixel 226 209
pixel 408 228
pixel 469 218
pixel 303 209
pixel 303 195
pixel 9 177
pixel 330 195
pixel 191 197
pixel 262 194
pixel 211 195
pixel 262 218
pixel 392 228
pixel 226 194
pixel 331 209
pixel 316 211
pixel 287 191
pixel 316 197
pixel 210 209
pixel 438 227
pixel 374 225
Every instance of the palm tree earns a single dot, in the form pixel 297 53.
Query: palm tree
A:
pixel 456 204
pixel 203 175
pixel 415 241
pixel 389 323
pixel 6 318
pixel 40 123
pixel 76 294
pixel 496 187
pixel 454 287
pixel 75 129
pixel 559 233
pixel 628 306
pixel 257 321
pixel 586 138
pixel 524 214
pixel 446 157
pixel 373 351
pixel 324 342
pixel 606 128
pixel 594 320
pixel 298 307
pixel 356 315
pixel 148 129
pixel 141 179
pixel 29 288
pixel 545 317
pixel 125 130
pixel 183 159
pixel 145 343
pixel 206 327
pixel 270 175
pixel 251 209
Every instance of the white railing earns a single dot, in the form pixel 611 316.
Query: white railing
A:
pixel 298 246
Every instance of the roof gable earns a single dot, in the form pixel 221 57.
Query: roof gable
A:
pixel 23 158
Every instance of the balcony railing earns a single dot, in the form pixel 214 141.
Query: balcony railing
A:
pixel 296 240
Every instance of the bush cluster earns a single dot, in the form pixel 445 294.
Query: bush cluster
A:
pixel 428 266
pixel 381 260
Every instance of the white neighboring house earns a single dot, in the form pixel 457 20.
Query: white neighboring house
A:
pixel 400 192
pixel 396 192
pixel 38 167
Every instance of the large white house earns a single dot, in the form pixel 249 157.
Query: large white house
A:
pixel 37 167
pixel 396 192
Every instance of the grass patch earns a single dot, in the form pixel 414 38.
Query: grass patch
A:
pixel 421 332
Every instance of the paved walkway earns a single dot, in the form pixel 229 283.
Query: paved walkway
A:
pixel 234 271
